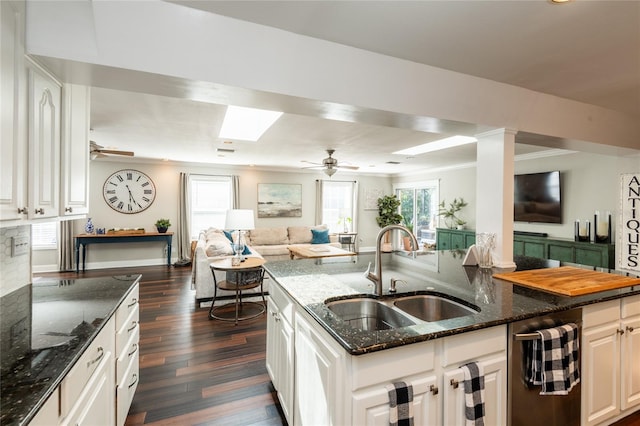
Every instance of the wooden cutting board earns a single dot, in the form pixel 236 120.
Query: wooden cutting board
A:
pixel 568 280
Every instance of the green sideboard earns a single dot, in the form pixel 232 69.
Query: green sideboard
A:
pixel 565 250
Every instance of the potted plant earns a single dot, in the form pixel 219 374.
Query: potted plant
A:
pixel 346 221
pixel 450 213
pixel 388 215
pixel 162 225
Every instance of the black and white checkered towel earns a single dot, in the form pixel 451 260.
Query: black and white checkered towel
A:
pixel 473 394
pixel 553 360
pixel 400 404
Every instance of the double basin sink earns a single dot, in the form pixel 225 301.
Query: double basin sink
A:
pixel 375 314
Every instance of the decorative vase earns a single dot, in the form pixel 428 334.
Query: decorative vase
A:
pixel 88 227
pixel 161 229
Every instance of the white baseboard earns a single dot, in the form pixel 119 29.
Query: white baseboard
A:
pixel 37 269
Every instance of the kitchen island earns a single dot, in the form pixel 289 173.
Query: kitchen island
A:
pixel 48 328
pixel 351 366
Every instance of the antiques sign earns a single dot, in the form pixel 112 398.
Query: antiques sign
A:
pixel 629 235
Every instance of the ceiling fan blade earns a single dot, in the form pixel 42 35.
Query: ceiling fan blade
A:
pixel 311 162
pixel 348 167
pixel 116 152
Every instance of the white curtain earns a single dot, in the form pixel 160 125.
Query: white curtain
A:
pixel 354 222
pixel 235 187
pixel 66 259
pixel 184 220
pixel 318 202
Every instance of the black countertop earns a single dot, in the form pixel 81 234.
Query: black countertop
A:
pixel 312 282
pixel 45 327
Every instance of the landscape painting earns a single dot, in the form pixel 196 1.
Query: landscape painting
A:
pixel 279 200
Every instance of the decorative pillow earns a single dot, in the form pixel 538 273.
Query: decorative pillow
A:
pixel 218 245
pixel 299 234
pixel 228 235
pixel 320 236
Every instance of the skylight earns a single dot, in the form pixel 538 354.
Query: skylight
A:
pixel 247 124
pixel 445 143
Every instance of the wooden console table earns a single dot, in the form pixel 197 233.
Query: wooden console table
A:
pixel 85 239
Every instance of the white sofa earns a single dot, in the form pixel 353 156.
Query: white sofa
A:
pixel 268 243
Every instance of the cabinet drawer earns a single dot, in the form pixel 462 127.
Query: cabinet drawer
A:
pixel 561 253
pixel 282 301
pixel 600 313
pixel 630 306
pixel 126 389
pixel 127 329
pixel 102 347
pixel 457 241
pixel 128 305
pixel 125 357
pixel 479 343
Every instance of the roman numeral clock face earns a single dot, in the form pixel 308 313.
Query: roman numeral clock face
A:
pixel 129 191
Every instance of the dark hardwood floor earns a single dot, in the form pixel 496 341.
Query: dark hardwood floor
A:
pixel 194 371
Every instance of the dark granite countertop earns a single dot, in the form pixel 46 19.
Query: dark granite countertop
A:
pixel 45 327
pixel 312 282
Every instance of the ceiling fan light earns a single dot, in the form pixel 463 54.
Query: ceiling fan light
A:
pixel 330 171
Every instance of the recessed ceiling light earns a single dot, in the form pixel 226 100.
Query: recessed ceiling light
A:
pixel 445 143
pixel 246 124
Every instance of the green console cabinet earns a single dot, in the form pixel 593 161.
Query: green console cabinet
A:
pixel 564 250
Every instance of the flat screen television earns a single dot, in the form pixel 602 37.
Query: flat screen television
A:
pixel 537 198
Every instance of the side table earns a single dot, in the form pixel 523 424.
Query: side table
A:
pixel 348 239
pixel 248 274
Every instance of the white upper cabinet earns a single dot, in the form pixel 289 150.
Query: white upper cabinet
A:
pixel 74 184
pixel 44 143
pixel 13 120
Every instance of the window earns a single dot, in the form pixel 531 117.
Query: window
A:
pixel 211 197
pixel 338 206
pixel 419 209
pixel 44 236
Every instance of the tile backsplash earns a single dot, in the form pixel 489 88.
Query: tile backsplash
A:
pixel 15 269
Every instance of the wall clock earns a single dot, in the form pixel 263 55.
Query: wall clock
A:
pixel 129 191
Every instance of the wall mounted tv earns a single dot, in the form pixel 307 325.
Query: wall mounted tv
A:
pixel 537 198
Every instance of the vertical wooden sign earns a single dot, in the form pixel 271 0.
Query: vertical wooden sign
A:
pixel 629 224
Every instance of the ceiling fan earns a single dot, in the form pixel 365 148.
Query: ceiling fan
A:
pixel 98 151
pixel 329 164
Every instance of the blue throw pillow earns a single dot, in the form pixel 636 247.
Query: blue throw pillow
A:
pixel 228 235
pixel 320 236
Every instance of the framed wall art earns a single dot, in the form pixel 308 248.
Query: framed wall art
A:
pixel 279 200
pixel 371 196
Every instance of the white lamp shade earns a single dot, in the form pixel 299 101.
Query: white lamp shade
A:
pixel 238 219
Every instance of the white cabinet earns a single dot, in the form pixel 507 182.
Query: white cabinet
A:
pixel 13 112
pixel 319 376
pixel 48 414
pixel 610 360
pixel 280 358
pixel 44 103
pixel 86 392
pixel 74 184
pixel 127 353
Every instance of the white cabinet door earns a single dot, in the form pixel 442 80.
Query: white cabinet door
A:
pixel 600 377
pixel 495 393
pixel 371 406
pixel 44 144
pixel 630 363
pixel 13 121
pixel 319 392
pixel 74 186
pixel 280 357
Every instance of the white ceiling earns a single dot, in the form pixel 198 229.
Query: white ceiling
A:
pixel 587 50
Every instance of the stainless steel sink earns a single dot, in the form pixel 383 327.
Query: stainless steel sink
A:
pixel 429 307
pixel 368 314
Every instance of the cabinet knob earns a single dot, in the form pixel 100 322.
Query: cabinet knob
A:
pixel 454 383
pixel 68 209
pixel 23 210
pixel 39 211
pixel 629 329
pixel 433 389
pixel 620 332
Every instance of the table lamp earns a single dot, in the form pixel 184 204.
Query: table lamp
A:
pixel 239 220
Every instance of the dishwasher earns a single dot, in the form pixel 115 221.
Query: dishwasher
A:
pixel 525 405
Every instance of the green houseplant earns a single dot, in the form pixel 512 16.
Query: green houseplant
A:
pixel 450 213
pixel 388 215
pixel 162 225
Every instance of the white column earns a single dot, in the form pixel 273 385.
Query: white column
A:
pixel 494 191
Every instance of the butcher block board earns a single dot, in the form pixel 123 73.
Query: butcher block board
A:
pixel 568 281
